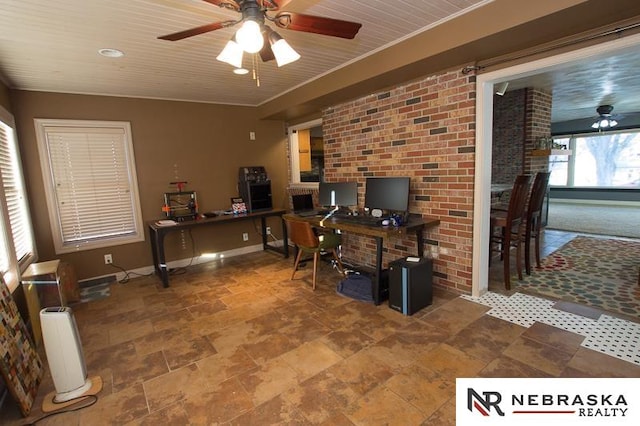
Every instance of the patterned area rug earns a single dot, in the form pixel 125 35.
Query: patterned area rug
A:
pixel 601 273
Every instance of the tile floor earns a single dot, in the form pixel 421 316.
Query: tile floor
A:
pixel 236 342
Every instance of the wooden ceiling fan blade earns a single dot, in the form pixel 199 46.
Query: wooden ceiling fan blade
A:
pixel 317 24
pixel 227 4
pixel 196 31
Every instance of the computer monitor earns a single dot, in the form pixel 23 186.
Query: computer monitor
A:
pixel 338 194
pixel 302 202
pixel 387 193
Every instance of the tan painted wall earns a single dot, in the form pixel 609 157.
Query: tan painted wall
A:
pixel 204 144
pixel 4 97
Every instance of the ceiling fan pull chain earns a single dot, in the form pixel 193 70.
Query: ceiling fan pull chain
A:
pixel 256 69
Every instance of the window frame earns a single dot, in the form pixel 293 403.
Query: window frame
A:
pixel 61 246
pixel 294 155
pixel 571 160
pixel 14 266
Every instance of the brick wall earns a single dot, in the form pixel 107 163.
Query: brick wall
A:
pixel 520 118
pixel 509 122
pixel 538 124
pixel 425 130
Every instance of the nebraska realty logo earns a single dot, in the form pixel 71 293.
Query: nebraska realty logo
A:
pixel 553 401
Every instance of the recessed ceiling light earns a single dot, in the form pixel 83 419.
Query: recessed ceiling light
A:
pixel 241 71
pixel 111 53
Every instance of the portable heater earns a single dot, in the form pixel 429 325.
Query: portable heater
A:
pixel 64 353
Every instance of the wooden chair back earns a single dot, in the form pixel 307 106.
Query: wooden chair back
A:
pixel 301 234
pixel 538 190
pixel 518 202
pixel 534 218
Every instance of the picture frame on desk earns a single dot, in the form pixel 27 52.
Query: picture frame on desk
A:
pixel 238 206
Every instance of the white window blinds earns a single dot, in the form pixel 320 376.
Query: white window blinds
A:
pixel 17 237
pixel 4 225
pixel 93 197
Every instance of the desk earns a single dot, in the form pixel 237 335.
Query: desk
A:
pixel 157 234
pixel 416 224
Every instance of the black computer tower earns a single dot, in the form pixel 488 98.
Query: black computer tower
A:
pixel 410 285
pixel 256 195
pixel 254 187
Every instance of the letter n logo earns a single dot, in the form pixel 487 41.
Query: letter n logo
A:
pixel 483 404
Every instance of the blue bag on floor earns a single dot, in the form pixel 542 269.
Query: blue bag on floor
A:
pixel 357 287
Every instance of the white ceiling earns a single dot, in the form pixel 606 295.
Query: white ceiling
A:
pixel 52 45
pixel 579 88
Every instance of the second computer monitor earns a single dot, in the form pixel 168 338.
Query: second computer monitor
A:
pixel 387 193
pixel 338 194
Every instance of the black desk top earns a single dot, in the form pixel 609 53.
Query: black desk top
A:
pixel 415 222
pixel 217 219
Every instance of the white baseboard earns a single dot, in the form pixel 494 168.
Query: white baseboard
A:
pixel 181 263
pixel 612 203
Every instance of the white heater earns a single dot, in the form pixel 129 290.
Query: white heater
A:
pixel 64 353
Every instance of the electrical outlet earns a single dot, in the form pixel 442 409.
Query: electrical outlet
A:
pixel 108 260
pixel 268 230
pixel 245 236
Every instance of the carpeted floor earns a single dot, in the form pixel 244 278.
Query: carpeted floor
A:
pixel 598 272
pixel 619 221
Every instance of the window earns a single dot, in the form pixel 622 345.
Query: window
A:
pixel 559 165
pixel 306 147
pixel 91 184
pixel 16 239
pixel 599 160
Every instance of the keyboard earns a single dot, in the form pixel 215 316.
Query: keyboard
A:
pixel 361 220
pixel 308 213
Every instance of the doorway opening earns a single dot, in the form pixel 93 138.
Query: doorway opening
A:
pixel 306 148
pixel 484 134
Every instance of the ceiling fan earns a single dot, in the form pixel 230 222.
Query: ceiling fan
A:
pixel 605 118
pixel 254 15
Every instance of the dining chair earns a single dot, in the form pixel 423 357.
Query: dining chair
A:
pixel 506 227
pixel 303 235
pixel 534 218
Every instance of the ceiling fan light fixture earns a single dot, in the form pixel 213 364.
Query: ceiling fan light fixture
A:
pixel 284 53
pixel 605 120
pixel 604 123
pixel 231 54
pixel 249 36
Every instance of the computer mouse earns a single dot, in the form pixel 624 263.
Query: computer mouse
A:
pixel 385 222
